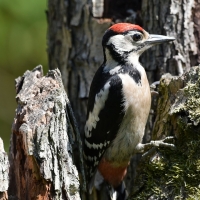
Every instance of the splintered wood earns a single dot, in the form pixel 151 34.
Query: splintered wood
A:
pixel 4 169
pixel 41 152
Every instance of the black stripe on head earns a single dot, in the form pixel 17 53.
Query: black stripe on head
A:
pixel 115 55
pixel 119 57
pixel 108 34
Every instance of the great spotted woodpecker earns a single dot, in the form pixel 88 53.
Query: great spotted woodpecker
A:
pixel 119 104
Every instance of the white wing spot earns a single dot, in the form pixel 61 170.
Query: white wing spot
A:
pixel 101 145
pixel 94 146
pixel 99 104
pixel 96 163
pixel 88 144
pixel 90 158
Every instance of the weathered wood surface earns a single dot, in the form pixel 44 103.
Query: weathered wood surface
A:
pixel 41 155
pixel 196 20
pixel 169 174
pixel 172 18
pixel 4 170
pixel 74 45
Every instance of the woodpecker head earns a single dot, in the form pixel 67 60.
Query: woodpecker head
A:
pixel 124 39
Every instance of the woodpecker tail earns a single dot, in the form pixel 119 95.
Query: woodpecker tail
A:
pixel 119 193
pixel 122 193
pixel 105 190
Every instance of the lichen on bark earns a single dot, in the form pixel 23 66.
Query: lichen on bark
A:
pixel 4 169
pixel 175 174
pixel 41 154
pixel 190 97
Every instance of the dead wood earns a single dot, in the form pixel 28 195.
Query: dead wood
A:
pixel 41 153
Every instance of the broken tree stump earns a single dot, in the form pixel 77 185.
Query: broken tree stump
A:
pixel 174 174
pixel 41 153
pixel 4 169
pixel 44 132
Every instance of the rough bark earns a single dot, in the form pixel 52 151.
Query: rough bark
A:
pixel 172 18
pixel 169 174
pixel 74 44
pixel 41 156
pixel 4 169
pixel 196 20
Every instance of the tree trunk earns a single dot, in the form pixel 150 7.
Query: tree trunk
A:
pixel 173 18
pixel 174 174
pixel 41 156
pixel 45 143
pixel 4 169
pixel 74 44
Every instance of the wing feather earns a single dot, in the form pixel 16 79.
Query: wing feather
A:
pixel 105 113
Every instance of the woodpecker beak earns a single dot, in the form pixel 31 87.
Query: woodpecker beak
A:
pixel 158 39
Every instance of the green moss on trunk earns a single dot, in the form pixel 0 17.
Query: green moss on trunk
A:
pixel 175 174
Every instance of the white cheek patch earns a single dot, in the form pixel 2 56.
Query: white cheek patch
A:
pixel 99 104
pixel 121 43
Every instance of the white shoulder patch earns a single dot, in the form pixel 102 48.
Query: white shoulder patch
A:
pixel 115 70
pixel 96 146
pixel 99 104
pixel 112 70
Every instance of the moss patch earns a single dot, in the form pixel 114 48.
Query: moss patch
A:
pixel 190 96
pixel 176 174
pixel 173 174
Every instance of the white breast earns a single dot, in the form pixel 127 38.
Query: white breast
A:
pixel 137 105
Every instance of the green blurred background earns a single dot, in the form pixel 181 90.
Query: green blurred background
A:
pixel 23 30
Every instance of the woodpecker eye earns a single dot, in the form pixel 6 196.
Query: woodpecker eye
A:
pixel 137 37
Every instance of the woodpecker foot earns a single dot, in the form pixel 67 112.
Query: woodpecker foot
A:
pixel 151 147
pixel 153 87
pixel 140 148
pixel 149 153
pixel 154 84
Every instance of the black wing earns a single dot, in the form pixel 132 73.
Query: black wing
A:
pixel 105 113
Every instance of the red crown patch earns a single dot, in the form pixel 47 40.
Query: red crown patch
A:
pixel 123 27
